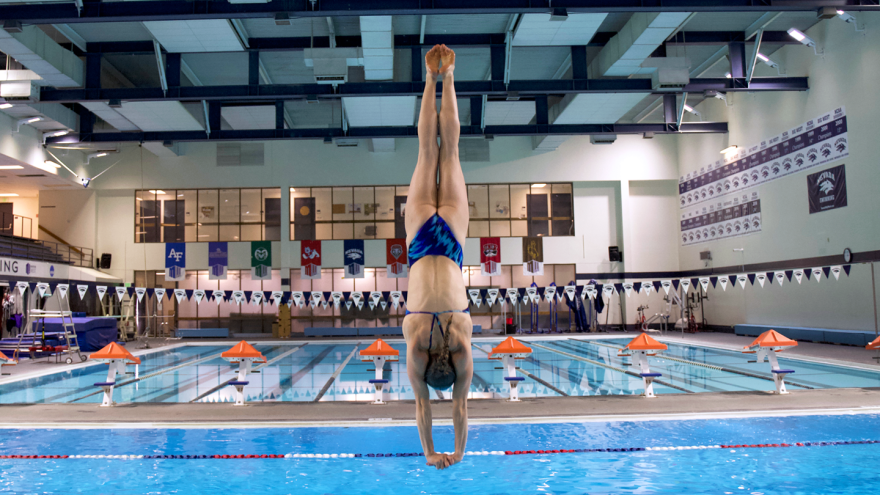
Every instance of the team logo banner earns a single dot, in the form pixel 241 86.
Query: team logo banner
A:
pixel 395 258
pixel 175 261
pixel 310 257
pixel 354 259
pixel 722 220
pixel 490 256
pixel 261 260
pixel 533 256
pixel 827 189
pixel 218 260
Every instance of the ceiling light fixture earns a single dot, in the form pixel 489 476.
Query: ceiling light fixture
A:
pixel 157 191
pixel 730 149
pixel 845 17
pixel 8 195
pixel 728 75
pixel 691 110
pixel 58 133
pixel 4 106
pixel 28 120
pixel 11 167
pixel 803 38
pixel 539 185
pixel 50 163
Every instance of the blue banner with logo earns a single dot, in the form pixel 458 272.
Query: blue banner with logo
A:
pixel 354 258
pixel 218 260
pixel 175 261
pixel 827 189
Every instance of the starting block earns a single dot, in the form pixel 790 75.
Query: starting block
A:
pixel 379 352
pixel 508 352
pixel 117 357
pixel 875 345
pixel 767 345
pixel 5 361
pixel 244 354
pixel 639 349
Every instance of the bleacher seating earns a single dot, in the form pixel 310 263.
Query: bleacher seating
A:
pixel 805 334
pixel 28 249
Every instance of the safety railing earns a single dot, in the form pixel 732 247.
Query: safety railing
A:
pixel 40 250
pixel 16 225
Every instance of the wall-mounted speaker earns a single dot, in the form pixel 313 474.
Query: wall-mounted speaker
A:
pixel 614 254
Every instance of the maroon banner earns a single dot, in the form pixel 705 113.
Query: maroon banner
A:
pixel 490 256
pixel 310 259
pixel 395 258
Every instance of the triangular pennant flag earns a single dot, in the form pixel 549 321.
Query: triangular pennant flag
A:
pixel 560 294
pixel 297 298
pixel 788 274
pixel 733 279
pixel 277 296
pixel 179 294
pixel 549 292
pixel 257 298
pixel 685 285
pixel 761 277
pixel 714 281
pixel 33 287
pixel 160 294
pixel 101 289
pixel 348 304
pixel 238 296
pixel 42 288
pixel 532 292
pixel 628 288
pixel 704 283
pixel 827 271
pixel 491 296
pixel 383 304
pixel 637 286
pixel 325 303
pixel 120 293
pixel 780 277
pixel 130 292
pixel 770 276
pixel 570 291
pixel 375 296
pixel 751 277
pixel 607 290
pixel 63 288
pixel 23 286
pixel 395 299
pixel 267 297
pixel 817 274
pixel 150 293
pixel 358 298
pixel 846 269
pixel 647 287
pixel 475 297
pixel 723 281
pixel 618 288
pixel 798 275
pixel 513 295
pixel 676 283
pixel 218 296
pixel 666 284
pixel 141 292
pixel 742 279
pixel 315 298
pixel 289 302
pixel 247 295
pixel 199 295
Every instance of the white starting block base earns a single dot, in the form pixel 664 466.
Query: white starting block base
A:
pixel 778 373
pixel 116 366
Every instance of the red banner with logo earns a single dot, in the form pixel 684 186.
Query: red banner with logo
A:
pixel 395 258
pixel 310 257
pixel 490 256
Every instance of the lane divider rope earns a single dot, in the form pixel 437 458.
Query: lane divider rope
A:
pixel 469 453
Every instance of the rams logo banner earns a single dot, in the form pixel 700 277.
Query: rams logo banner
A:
pixel 490 256
pixel 396 263
pixel 261 260
pixel 816 142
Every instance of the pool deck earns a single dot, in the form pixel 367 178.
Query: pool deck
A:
pixel 724 404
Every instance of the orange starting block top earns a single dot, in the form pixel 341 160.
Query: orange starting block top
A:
pixel 645 342
pixel 240 351
pixel 379 348
pixel 771 338
pixel 510 346
pixel 874 345
pixel 5 360
pixel 114 351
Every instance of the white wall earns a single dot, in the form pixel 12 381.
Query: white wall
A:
pixel 71 215
pixel 26 207
pixel 845 76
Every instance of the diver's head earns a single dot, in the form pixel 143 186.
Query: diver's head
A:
pixel 439 373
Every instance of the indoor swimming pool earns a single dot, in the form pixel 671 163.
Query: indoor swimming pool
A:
pixel 824 454
pixel 302 372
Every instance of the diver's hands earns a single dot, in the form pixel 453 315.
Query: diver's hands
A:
pixel 455 458
pixel 439 461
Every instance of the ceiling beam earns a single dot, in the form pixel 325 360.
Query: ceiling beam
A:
pixel 395 132
pixel 165 10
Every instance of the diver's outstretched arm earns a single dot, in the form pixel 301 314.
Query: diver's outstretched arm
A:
pixel 452 202
pixel 415 367
pixel 464 372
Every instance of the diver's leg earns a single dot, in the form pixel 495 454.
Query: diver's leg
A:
pixel 452 202
pixel 421 202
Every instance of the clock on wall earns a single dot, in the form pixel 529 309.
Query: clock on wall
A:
pixel 847 255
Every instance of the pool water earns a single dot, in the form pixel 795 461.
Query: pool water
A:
pixel 840 469
pixel 297 373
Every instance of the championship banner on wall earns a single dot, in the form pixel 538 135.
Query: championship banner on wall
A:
pixel 310 256
pixel 396 258
pixel 816 142
pixel 490 256
pixel 175 261
pixel 734 217
pixel 261 260
pixel 827 189
pixel 218 260
pixel 353 250
pixel 533 256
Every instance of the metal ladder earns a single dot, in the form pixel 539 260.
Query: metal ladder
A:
pixel 67 326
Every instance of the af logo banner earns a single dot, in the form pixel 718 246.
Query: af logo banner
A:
pixel 490 256
pixel 310 257
pixel 533 256
pixel 218 260
pixel 395 258
pixel 827 189
pixel 261 260
pixel 353 250
pixel 175 261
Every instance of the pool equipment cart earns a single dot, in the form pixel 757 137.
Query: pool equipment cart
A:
pixel 117 357
pixel 508 352
pixel 244 354
pixel 379 352
pixel 38 342
pixel 767 345
pixel 875 345
pixel 639 349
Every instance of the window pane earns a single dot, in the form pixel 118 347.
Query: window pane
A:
pixel 385 230
pixel 298 192
pixel 324 231
pixel 385 203
pixel 499 228
pixel 499 201
pixel 251 232
pixel 478 229
pixel 323 203
pixel 171 215
pixel 251 207
pixel 342 204
pixel 229 232
pixel 343 230
pixel 518 193
pixel 519 228
pixel 272 214
pixel 208 215
pixel 229 206
pixel 147 217
pixel 478 201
